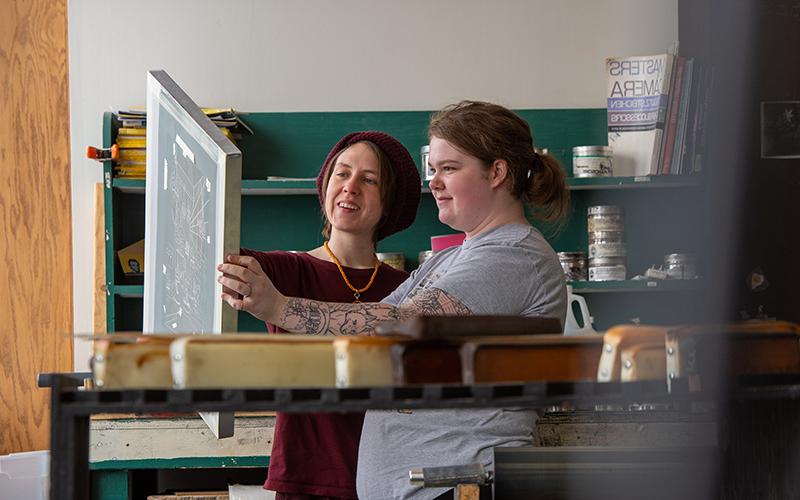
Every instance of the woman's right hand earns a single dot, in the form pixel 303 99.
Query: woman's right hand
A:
pixel 245 287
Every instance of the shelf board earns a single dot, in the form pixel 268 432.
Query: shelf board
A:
pixel 634 286
pixel 181 463
pixel 640 182
pixel 128 185
pixel 270 187
pixel 250 187
pixel 128 291
pixel 262 187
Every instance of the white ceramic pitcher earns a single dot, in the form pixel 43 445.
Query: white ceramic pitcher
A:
pixel 572 325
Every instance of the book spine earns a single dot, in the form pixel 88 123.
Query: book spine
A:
pixel 705 107
pixel 668 83
pixel 683 117
pixel 131 142
pixel 694 118
pixel 135 131
pixel 669 142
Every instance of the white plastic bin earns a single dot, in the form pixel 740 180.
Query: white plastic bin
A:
pixel 25 475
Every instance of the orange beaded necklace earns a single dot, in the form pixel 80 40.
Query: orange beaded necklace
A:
pixel 356 291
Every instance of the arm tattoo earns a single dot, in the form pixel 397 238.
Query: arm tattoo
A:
pixel 432 302
pixel 331 318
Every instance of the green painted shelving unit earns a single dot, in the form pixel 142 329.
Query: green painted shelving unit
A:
pixel 284 214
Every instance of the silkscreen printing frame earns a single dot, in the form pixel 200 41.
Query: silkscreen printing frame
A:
pixel 192 219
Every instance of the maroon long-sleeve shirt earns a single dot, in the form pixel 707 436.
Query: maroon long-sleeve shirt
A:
pixel 316 453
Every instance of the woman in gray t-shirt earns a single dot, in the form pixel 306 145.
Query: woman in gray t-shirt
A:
pixel 485 171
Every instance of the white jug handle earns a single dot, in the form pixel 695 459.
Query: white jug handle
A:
pixel 587 319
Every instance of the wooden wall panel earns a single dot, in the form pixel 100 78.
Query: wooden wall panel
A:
pixel 35 221
pixel 99 302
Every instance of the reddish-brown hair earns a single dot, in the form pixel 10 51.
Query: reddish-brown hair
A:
pixel 492 132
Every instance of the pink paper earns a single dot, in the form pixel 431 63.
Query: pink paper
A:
pixel 446 241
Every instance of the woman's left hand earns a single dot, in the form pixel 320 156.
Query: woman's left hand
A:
pixel 245 287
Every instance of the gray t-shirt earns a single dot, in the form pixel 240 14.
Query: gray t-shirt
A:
pixel 510 269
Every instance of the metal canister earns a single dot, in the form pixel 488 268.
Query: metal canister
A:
pixel 592 161
pixel 605 218
pixel 574 265
pixel 681 266
pixel 425 255
pixel 607 244
pixel 395 259
pixel 425 171
pixel 607 269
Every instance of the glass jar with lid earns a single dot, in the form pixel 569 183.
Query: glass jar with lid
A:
pixel 605 218
pixel 607 269
pixel 574 265
pixel 592 161
pixel 607 244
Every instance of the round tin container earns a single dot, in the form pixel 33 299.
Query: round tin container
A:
pixel 425 172
pixel 574 265
pixel 605 218
pixel 425 255
pixel 607 269
pixel 607 244
pixel 681 266
pixel 592 161
pixel 395 259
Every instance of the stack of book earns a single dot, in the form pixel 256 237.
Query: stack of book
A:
pixel 132 141
pixel 657 108
pixel 132 138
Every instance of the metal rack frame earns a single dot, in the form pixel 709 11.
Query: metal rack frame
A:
pixel 71 406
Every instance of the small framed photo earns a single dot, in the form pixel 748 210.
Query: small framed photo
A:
pixel 780 129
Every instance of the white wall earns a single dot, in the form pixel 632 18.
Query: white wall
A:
pixel 326 55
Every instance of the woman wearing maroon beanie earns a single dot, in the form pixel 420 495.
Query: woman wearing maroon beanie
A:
pixel 369 188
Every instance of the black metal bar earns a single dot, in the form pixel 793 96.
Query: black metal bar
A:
pixel 536 394
pixel 69 445
pixel 59 458
pixel 80 452
pixel 76 378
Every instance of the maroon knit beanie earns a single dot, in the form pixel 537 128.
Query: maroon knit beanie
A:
pixel 407 183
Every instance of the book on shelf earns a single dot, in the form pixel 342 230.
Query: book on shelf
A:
pixel 664 156
pixel 683 118
pixel 705 91
pixel 664 121
pixel 132 137
pixel 637 97
pixel 224 118
pixel 131 167
pixel 132 131
pixel 138 155
pixel 227 118
pixel 693 119
pixel 132 118
pixel 133 122
pixel 127 173
pixel 130 142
